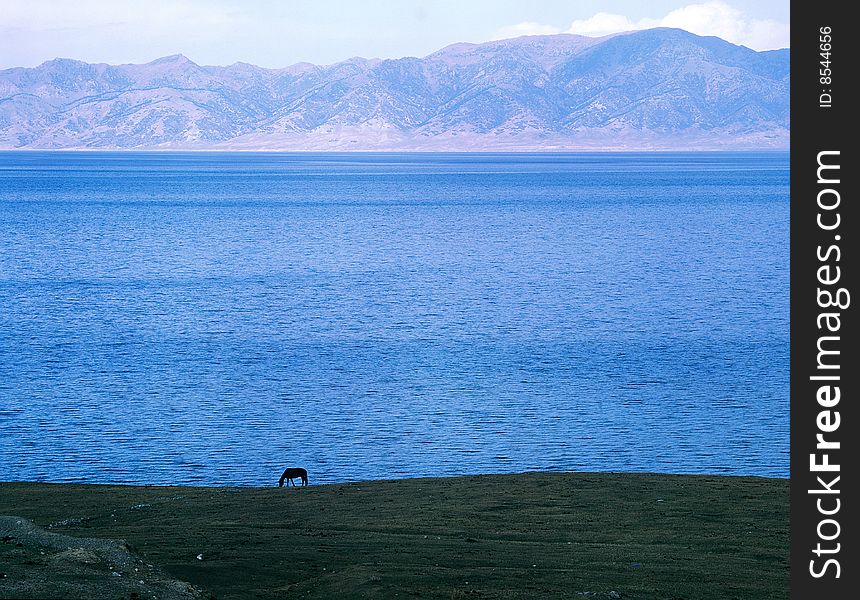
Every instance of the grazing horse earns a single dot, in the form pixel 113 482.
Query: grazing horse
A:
pixel 290 473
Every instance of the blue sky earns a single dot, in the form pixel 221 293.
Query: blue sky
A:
pixel 274 33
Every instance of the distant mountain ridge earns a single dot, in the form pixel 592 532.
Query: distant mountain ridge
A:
pixel 651 89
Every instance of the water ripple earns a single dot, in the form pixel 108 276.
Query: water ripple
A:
pixel 426 316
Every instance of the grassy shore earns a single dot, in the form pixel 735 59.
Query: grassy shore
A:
pixel 540 535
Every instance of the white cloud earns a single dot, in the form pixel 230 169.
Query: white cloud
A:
pixel 731 24
pixel 605 23
pixel 709 18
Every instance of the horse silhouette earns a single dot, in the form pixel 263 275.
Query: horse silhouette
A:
pixel 290 473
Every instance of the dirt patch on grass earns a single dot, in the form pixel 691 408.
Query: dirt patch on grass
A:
pixel 36 563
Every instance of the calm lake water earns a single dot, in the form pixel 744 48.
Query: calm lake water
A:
pixel 213 318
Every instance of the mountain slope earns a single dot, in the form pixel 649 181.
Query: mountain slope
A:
pixel 659 88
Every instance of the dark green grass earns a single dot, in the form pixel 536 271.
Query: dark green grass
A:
pixel 538 535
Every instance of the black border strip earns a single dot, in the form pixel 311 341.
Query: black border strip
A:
pixel 823 326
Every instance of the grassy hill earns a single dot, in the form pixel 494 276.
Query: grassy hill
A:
pixel 539 535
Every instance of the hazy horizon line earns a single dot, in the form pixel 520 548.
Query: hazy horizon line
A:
pixel 375 58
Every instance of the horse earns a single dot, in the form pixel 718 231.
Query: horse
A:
pixel 292 472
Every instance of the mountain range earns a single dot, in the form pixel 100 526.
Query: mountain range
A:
pixel 652 89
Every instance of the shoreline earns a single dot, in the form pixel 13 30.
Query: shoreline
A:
pixel 4 482
pixel 488 152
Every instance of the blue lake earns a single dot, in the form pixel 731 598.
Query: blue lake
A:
pixel 212 318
